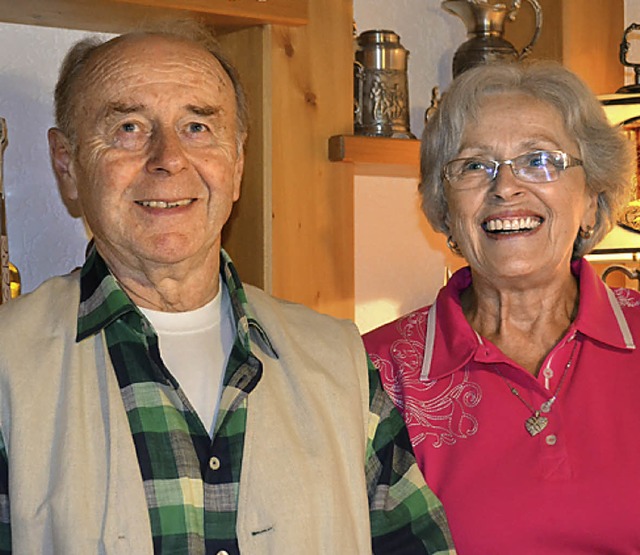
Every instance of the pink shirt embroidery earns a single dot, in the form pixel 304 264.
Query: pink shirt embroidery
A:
pixel 575 487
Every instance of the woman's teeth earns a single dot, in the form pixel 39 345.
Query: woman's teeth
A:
pixel 512 224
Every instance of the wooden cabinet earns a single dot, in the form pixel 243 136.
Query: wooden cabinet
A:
pixel 292 230
pixel 380 156
pixel 121 15
pixel 584 35
pixel 284 12
pixel 296 211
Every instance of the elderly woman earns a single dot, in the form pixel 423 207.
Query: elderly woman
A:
pixel 520 385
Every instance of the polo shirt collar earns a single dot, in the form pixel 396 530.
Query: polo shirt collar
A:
pixel 600 316
pixel 450 337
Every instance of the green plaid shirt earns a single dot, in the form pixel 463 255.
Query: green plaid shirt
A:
pixel 190 481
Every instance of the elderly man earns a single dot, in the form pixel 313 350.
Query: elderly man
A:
pixel 151 402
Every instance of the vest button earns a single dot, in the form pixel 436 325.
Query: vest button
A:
pixel 222 552
pixel 214 464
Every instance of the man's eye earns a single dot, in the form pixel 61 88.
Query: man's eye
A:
pixel 195 127
pixel 129 127
pixel 130 135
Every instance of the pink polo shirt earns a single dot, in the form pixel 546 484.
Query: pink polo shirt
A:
pixel 572 489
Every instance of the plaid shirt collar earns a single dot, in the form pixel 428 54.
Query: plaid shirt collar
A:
pixel 102 301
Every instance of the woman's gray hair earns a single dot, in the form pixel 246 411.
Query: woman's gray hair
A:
pixel 72 70
pixel 609 159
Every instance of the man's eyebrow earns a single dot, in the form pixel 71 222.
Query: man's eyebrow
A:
pixel 118 108
pixel 207 110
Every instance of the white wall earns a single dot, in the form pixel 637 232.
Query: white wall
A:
pixel 400 262
pixel 43 239
pixel 631 12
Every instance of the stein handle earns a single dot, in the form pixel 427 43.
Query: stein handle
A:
pixel 358 76
pixel 538 11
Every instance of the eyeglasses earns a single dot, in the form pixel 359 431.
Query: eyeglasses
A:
pixel 540 166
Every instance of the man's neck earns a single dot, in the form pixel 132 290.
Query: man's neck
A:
pixel 174 287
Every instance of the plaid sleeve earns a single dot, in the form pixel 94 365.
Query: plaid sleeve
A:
pixel 5 521
pixel 406 516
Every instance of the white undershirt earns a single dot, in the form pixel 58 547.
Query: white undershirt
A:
pixel 195 347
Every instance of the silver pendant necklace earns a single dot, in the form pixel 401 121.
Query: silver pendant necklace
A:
pixel 536 422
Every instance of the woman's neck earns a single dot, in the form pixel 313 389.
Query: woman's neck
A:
pixel 525 321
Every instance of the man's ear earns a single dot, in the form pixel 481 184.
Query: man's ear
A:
pixel 61 154
pixel 238 171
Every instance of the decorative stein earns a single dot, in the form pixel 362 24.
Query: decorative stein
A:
pixel 485 29
pixel 381 94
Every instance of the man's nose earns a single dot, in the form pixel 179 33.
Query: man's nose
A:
pixel 166 152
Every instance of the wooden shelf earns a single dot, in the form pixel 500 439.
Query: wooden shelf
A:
pixel 377 155
pixel 116 16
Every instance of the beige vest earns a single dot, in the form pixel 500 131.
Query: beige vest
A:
pixel 74 478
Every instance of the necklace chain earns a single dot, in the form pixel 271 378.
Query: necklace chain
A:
pixel 536 423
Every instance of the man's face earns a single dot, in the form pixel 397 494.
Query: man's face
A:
pixel 157 163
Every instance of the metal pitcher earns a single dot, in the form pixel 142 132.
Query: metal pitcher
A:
pixel 381 93
pixel 485 29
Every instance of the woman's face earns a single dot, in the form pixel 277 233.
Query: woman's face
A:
pixel 548 215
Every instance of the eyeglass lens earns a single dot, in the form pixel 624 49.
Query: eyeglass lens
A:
pixel 534 167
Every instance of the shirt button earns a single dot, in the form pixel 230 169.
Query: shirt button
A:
pixel 214 464
pixel 551 439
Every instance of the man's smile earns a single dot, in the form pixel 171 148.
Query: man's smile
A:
pixel 165 204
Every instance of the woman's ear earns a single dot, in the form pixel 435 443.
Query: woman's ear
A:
pixel 590 217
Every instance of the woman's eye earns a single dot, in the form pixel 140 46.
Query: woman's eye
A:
pixel 540 160
pixel 474 165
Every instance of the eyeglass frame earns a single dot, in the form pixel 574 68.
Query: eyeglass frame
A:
pixel 568 161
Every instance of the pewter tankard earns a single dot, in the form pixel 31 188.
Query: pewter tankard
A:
pixel 485 29
pixel 381 94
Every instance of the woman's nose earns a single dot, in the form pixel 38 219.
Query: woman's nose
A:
pixel 506 184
